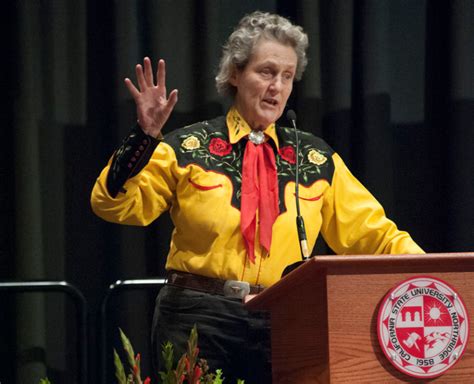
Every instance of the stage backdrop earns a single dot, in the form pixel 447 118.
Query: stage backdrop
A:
pixel 389 85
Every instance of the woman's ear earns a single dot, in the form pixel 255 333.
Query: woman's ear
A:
pixel 234 78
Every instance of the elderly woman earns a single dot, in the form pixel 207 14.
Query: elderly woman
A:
pixel 229 186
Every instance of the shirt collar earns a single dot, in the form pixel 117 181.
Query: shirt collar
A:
pixel 239 128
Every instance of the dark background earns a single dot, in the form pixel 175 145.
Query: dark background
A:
pixel 389 85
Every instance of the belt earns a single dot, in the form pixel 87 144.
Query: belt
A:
pixel 227 288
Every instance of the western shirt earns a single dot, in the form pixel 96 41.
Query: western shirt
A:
pixel 196 174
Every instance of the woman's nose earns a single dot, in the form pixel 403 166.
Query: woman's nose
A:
pixel 276 83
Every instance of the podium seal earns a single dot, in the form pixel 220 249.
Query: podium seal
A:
pixel 423 327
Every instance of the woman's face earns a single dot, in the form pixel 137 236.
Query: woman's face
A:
pixel 264 85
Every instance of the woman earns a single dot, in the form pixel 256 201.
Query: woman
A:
pixel 228 184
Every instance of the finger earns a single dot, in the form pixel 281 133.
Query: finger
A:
pixel 148 72
pixel 140 77
pixel 161 73
pixel 131 88
pixel 172 100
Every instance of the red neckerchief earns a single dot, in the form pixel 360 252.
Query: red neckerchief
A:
pixel 259 191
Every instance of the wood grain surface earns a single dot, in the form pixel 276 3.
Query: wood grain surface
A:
pixel 324 317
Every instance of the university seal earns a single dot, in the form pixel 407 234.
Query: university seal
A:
pixel 423 327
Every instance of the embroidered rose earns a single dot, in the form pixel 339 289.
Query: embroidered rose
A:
pixel 316 157
pixel 219 147
pixel 190 143
pixel 288 154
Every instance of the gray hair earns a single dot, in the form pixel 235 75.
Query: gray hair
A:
pixel 241 43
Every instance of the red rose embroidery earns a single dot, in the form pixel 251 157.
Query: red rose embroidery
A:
pixel 219 147
pixel 288 154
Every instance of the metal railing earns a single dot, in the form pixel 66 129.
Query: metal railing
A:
pixel 81 306
pixel 119 285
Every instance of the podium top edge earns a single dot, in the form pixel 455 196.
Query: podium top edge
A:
pixel 362 264
pixel 461 257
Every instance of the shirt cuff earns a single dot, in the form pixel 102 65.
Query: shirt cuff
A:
pixel 132 156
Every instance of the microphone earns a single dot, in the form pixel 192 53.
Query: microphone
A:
pixel 291 115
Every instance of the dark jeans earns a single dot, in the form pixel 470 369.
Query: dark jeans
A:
pixel 229 337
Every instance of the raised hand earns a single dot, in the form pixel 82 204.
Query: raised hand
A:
pixel 153 106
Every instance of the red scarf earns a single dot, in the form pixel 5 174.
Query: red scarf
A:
pixel 259 190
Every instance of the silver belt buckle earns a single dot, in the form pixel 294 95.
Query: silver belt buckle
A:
pixel 236 289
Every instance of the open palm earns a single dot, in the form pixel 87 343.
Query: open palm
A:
pixel 153 105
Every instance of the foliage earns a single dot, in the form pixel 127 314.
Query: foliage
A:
pixel 134 375
pixel 189 369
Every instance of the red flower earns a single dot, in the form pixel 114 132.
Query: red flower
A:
pixel 197 374
pixel 135 367
pixel 186 361
pixel 147 381
pixel 288 154
pixel 219 147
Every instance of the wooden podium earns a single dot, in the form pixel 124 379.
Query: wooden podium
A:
pixel 324 317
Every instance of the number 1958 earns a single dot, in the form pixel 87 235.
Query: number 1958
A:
pixel 424 362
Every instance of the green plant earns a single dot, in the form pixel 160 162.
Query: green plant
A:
pixel 189 369
pixel 134 375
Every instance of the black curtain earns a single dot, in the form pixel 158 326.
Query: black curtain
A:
pixel 389 85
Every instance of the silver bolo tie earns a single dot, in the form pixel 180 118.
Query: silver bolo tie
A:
pixel 257 137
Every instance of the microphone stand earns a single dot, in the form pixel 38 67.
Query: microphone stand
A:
pixel 291 115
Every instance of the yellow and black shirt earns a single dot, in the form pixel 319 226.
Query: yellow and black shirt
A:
pixel 196 173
